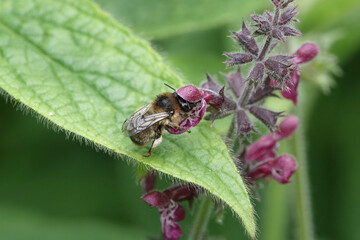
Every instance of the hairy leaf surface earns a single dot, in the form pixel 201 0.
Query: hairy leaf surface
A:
pixel 80 69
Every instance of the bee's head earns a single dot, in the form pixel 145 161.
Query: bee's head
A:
pixel 186 106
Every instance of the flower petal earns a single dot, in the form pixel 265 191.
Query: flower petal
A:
pixel 290 92
pixel 283 167
pixel 148 182
pixel 192 120
pixel 263 148
pixel 180 192
pixel 286 127
pixel 190 93
pixel 156 199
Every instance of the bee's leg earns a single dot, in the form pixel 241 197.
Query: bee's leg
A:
pixel 177 127
pixel 156 142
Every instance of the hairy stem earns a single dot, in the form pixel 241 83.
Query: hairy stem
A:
pixel 302 187
pixel 202 218
pixel 269 38
pixel 264 49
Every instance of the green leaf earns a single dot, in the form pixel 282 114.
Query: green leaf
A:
pixel 78 68
pixel 163 18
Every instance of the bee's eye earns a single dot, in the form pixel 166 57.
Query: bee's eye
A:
pixel 185 105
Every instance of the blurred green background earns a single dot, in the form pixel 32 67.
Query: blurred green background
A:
pixel 52 188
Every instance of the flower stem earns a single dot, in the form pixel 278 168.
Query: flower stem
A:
pixel 302 188
pixel 264 49
pixel 202 218
pixel 269 38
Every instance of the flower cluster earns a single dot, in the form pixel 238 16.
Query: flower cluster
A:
pixel 170 210
pixel 268 74
pixel 263 153
pixel 278 72
pixel 304 54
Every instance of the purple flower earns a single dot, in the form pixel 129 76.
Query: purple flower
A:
pixel 148 181
pixel 305 53
pixel 190 93
pixel 280 168
pixel 287 127
pixel 170 210
pixel 266 146
pixel 264 150
pixel 195 96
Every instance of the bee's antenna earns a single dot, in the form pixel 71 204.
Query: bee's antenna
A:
pixel 170 87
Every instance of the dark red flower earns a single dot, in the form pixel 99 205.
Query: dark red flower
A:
pixel 193 95
pixel 280 168
pixel 263 153
pixel 266 146
pixel 305 53
pixel 170 210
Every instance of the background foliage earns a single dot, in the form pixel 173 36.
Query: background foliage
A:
pixel 56 189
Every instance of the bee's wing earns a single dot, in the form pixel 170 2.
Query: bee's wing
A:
pixel 137 122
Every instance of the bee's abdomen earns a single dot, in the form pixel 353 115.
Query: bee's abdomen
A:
pixel 139 140
pixel 143 137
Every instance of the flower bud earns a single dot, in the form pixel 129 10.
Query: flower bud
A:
pixel 276 33
pixel 286 127
pixel 237 58
pixel 257 73
pixel 269 118
pixel 244 39
pixel 243 122
pixel 287 15
pixel 236 82
pixel 289 31
pixel 306 53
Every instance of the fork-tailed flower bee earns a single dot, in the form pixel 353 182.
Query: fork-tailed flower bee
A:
pixel 168 110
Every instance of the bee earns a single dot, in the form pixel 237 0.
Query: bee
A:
pixel 147 123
